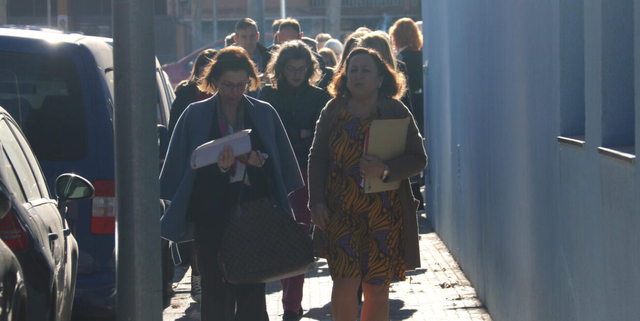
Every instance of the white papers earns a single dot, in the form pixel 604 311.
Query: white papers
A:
pixel 207 153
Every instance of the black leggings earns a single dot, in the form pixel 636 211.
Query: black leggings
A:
pixel 220 300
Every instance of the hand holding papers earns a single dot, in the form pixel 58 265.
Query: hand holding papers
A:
pixel 207 153
pixel 386 139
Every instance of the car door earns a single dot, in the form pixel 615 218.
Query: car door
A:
pixel 42 209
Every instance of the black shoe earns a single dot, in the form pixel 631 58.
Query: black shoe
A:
pixel 292 316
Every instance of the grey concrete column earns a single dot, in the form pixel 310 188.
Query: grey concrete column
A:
pixel 137 192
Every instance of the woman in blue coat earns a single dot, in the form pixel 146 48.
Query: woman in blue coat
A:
pixel 201 199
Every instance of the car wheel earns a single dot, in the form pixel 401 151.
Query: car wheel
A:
pixel 19 304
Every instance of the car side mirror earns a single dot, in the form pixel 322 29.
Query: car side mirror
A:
pixel 163 141
pixel 72 187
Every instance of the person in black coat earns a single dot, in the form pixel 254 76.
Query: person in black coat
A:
pixel 187 91
pixel 293 71
pixel 407 40
pixel 288 30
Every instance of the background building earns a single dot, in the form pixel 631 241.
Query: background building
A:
pixel 91 18
pixel 173 18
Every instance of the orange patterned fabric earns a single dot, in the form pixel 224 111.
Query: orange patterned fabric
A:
pixel 364 237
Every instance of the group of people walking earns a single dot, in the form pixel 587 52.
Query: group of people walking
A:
pixel 309 123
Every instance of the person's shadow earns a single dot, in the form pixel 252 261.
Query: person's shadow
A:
pixel 321 269
pixel 192 313
pixel 396 311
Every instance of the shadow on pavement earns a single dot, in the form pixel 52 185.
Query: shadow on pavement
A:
pixel 321 269
pixel 322 313
pixel 424 226
pixel 416 272
pixel 396 311
pixel 189 312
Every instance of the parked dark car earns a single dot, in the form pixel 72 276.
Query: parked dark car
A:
pixel 63 101
pixel 13 292
pixel 35 227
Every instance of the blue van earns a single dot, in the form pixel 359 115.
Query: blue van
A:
pixel 63 101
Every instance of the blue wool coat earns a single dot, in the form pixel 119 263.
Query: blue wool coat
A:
pixel 192 130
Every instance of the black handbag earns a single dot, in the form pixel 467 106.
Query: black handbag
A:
pixel 263 243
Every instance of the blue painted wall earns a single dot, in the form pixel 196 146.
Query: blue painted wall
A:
pixel 543 230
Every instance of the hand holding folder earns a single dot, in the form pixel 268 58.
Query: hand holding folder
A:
pixel 386 139
pixel 208 153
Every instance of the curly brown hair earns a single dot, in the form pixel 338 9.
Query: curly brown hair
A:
pixel 405 33
pixel 393 85
pixel 228 59
pixel 292 50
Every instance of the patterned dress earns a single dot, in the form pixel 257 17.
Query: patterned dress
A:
pixel 364 238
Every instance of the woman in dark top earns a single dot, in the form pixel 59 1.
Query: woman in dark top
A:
pixel 187 91
pixel 203 198
pixel 293 71
pixel 407 40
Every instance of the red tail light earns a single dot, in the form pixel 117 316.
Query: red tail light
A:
pixel 103 214
pixel 12 232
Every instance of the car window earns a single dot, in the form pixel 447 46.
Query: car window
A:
pixel 37 171
pixel 43 93
pixel 12 179
pixel 19 162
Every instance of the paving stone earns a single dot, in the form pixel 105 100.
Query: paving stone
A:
pixel 438 291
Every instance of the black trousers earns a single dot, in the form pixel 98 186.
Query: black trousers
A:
pixel 223 301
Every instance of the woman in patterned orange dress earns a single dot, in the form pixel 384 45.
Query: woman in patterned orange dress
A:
pixel 365 234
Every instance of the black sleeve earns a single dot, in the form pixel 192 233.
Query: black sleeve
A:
pixel 183 99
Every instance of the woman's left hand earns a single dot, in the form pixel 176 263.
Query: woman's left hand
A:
pixel 371 166
pixel 256 158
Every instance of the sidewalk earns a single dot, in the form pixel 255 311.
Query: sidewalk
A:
pixel 437 291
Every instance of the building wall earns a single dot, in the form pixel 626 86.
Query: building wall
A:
pixel 544 227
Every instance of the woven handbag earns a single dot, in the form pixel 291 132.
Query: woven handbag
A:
pixel 263 243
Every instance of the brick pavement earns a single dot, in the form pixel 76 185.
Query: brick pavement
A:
pixel 437 291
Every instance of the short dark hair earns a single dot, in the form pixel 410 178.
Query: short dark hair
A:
pixel 228 59
pixel 289 23
pixel 392 85
pixel 292 50
pixel 275 26
pixel 245 23
pixel 312 43
pixel 323 37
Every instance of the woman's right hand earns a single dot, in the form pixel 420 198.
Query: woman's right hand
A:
pixel 320 215
pixel 226 159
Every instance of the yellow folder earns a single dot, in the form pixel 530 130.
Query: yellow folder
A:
pixel 387 139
